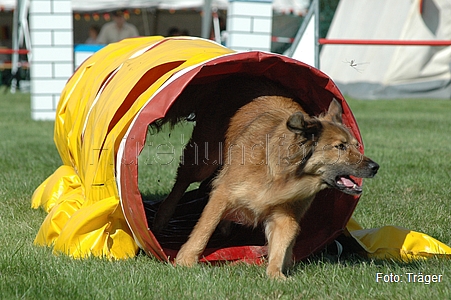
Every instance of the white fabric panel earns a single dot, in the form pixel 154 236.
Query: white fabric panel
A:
pixel 374 72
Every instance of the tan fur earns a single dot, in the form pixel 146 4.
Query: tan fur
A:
pixel 276 159
pixel 213 107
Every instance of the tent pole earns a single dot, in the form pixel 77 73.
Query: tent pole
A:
pixel 316 8
pixel 206 19
pixel 15 55
pixel 309 30
pixel 20 32
pixel 145 21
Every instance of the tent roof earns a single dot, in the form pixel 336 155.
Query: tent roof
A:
pixel 87 5
pixel 374 72
pixel 284 6
pixel 7 4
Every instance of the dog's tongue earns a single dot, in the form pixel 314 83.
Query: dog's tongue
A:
pixel 347 182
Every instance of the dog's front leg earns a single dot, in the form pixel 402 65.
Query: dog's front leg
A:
pixel 208 221
pixel 281 231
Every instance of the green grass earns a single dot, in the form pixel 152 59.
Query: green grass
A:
pixel 408 138
pixel 160 158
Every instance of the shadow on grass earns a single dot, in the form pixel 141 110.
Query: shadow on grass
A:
pixel 349 259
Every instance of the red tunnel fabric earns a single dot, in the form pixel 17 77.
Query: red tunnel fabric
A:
pixel 327 217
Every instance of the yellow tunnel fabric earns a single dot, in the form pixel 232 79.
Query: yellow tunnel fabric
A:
pixel 81 198
pixel 96 107
pixel 397 243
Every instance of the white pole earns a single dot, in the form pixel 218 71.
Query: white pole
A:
pixel 206 19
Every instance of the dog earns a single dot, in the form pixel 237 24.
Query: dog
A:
pixel 275 159
pixel 212 111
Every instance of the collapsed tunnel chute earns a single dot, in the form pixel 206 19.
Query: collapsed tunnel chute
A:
pixel 93 201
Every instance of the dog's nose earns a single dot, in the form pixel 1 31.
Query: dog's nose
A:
pixel 373 167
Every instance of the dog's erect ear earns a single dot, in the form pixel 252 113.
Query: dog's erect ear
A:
pixel 335 111
pixel 296 123
pixel 308 128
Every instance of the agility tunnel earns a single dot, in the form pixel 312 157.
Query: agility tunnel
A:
pixel 94 203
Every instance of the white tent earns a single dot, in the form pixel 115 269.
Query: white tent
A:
pixel 376 72
pixel 185 13
pixel 92 5
pixel 7 4
pixel 284 6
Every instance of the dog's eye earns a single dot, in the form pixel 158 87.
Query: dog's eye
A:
pixel 341 147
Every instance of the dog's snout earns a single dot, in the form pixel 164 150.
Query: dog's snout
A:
pixel 373 167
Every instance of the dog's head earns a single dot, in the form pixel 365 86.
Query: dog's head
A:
pixel 330 152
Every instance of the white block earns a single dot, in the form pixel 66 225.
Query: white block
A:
pixel 62 6
pixel 49 86
pixel 42 102
pixel 80 57
pixel 52 60
pixel 37 6
pixel 249 41
pixel 52 54
pixel 62 38
pixel 42 70
pixel 56 99
pixel 262 25
pixel 252 9
pixel 43 115
pixel 40 38
pixel 50 22
pixel 63 70
pixel 237 23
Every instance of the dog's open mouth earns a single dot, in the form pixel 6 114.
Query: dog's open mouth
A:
pixel 347 185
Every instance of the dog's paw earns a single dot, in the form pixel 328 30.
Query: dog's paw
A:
pixel 185 260
pixel 275 273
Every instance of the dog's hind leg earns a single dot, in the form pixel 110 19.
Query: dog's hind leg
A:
pixel 201 157
pixel 281 231
pixel 168 205
pixel 193 168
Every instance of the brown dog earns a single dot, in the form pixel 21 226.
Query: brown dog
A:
pixel 213 105
pixel 276 159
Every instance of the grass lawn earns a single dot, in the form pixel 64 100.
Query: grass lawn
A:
pixel 410 139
